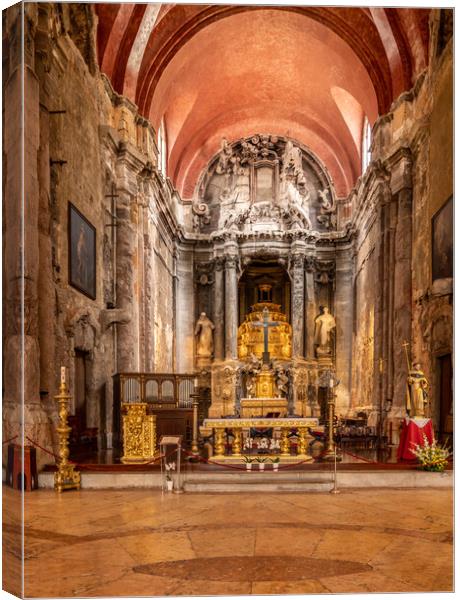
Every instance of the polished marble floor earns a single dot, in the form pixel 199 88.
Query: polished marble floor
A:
pixel 140 542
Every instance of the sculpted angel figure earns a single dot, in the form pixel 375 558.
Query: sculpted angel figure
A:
pixel 204 328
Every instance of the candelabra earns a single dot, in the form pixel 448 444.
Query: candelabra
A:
pixel 66 477
pixel 330 453
pixel 195 453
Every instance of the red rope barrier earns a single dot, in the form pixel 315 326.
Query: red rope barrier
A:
pixel 367 460
pixel 47 451
pixel 10 440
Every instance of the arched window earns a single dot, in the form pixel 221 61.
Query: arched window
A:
pixel 366 145
pixel 162 148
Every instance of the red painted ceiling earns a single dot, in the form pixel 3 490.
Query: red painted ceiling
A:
pixel 213 71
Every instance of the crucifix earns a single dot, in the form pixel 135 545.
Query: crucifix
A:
pixel 406 345
pixel 266 324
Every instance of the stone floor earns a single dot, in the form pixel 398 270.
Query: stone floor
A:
pixel 128 543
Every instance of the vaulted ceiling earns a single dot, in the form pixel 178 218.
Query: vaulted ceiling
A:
pixel 214 71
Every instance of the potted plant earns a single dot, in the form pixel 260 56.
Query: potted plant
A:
pixel 261 460
pixel 169 480
pixel 275 462
pixel 432 457
pixel 248 461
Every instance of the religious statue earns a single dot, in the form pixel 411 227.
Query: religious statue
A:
pixel 204 328
pixel 282 381
pixel 324 324
pixel 417 392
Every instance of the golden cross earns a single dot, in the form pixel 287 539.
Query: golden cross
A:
pixel 405 345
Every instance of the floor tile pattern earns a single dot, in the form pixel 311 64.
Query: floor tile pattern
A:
pixel 141 542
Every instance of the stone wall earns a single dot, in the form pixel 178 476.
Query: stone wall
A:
pixel 395 299
pixel 88 146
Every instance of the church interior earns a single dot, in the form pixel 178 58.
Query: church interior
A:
pixel 228 299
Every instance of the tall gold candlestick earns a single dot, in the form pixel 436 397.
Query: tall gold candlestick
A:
pixel 66 477
pixel 195 449
pixel 330 453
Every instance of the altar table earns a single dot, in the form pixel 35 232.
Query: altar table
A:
pixel 237 425
pixel 411 434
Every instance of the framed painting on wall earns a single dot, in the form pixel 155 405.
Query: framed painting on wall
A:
pixel 82 253
pixel 442 231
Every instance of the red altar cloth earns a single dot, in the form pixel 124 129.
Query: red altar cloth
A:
pixel 412 431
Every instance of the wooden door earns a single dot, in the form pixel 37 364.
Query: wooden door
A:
pixel 445 395
pixel 80 387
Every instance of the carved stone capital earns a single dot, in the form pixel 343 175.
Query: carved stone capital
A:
pixel 231 262
pixel 297 261
pixel 219 262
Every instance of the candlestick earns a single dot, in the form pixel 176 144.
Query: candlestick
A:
pixel 65 477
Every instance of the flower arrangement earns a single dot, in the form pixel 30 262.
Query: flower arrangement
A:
pixel 275 461
pixel 432 457
pixel 168 468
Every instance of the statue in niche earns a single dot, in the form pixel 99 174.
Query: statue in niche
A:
pixel 204 328
pixel 324 324
pixel 417 392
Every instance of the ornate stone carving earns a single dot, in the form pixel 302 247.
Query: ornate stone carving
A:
pixel 297 196
pixel 204 273
pixel 324 271
pixel 328 209
pixel 200 215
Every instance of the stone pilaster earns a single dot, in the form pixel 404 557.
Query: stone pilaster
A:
pixel 401 189
pixel 218 313
pixel 127 333
pixel 344 327
pixel 185 312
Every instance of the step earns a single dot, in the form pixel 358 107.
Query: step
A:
pixel 272 485
pixel 292 480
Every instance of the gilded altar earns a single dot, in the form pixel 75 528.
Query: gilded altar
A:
pixel 251 333
pixel 139 432
pixel 256 407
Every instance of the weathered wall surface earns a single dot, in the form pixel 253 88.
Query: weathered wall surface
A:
pixel 412 157
pixel 87 146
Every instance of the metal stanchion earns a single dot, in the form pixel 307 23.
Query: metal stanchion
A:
pixel 335 489
pixel 178 487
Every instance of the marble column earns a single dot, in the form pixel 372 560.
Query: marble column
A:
pixel 218 313
pixel 298 298
pixel 231 307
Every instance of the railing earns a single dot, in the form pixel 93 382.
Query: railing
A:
pixel 162 390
